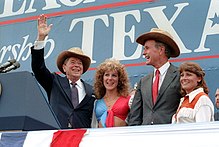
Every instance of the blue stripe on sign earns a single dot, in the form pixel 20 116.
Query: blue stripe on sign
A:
pixel 13 139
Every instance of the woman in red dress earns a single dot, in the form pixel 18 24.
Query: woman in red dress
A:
pixel 111 88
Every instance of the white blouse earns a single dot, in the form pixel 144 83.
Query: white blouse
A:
pixel 203 110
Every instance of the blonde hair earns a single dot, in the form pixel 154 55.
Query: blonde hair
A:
pixel 123 80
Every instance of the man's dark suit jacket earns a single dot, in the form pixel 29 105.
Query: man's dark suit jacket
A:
pixel 144 112
pixel 58 91
pixel 216 116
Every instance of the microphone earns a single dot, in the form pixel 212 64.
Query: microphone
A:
pixel 6 64
pixel 13 66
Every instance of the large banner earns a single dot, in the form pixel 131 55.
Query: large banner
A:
pixel 108 29
pixel 168 135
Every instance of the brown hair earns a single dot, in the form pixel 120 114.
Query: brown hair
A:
pixel 123 80
pixel 196 69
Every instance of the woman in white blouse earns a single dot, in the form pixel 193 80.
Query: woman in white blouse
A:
pixel 195 106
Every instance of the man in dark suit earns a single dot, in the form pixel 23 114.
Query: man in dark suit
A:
pixel 73 108
pixel 157 97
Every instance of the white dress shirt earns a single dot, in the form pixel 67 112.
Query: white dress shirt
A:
pixel 163 70
pixel 39 45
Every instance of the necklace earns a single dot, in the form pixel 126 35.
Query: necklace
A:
pixel 110 101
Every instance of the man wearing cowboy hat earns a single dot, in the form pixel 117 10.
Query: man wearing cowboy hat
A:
pixel 158 94
pixel 70 97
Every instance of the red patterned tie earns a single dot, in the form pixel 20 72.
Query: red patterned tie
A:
pixel 155 86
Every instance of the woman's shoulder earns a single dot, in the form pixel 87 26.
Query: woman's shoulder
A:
pixel 204 100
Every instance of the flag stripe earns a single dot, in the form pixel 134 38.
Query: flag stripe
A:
pixel 39 138
pixel 68 138
pixel 13 139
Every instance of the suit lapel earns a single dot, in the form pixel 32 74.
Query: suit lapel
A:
pixel 170 75
pixel 88 94
pixel 147 89
pixel 64 82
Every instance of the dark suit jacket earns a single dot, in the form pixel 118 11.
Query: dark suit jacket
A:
pixel 143 112
pixel 216 116
pixel 58 91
